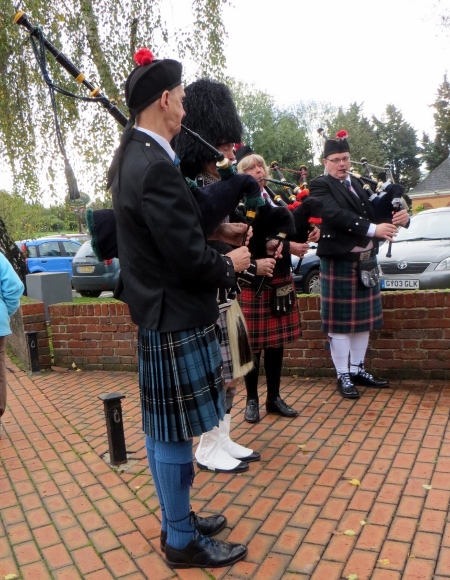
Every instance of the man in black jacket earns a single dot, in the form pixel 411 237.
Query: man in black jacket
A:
pixel 170 277
pixel 350 291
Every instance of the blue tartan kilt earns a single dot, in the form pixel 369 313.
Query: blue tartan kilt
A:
pixel 181 382
pixel 346 306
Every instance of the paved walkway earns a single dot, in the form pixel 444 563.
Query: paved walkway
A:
pixel 349 489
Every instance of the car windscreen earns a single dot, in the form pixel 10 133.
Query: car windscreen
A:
pixel 426 226
pixel 85 251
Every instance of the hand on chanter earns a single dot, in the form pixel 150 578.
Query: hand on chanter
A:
pixel 400 218
pixel 233 233
pixel 386 231
pixel 298 249
pixel 240 258
pixel 274 248
pixel 265 266
pixel 314 235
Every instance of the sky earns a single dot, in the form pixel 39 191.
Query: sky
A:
pixel 374 52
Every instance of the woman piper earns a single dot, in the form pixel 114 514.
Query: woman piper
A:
pixel 271 322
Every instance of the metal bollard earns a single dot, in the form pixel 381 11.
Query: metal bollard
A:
pixel 114 427
pixel 33 352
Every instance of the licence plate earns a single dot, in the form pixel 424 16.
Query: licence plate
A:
pixel 85 269
pixel 400 284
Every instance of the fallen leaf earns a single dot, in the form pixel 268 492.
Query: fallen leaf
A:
pixel 384 561
pixel 427 486
pixel 354 482
pixel 137 487
pixel 349 533
pixel 11 576
pixel 363 522
pixel 301 446
pixel 74 366
pixel 78 370
pixel 352 577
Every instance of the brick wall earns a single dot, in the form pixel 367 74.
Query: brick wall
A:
pixel 94 336
pixel 413 343
pixel 30 317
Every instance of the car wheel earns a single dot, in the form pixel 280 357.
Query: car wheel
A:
pixel 311 284
pixel 90 293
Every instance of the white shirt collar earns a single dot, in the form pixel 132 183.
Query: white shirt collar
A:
pixel 160 140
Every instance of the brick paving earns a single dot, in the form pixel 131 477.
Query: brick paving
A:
pixel 66 514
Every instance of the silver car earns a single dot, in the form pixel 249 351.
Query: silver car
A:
pixel 420 254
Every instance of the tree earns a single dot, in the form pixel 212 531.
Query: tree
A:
pixel 100 38
pixel 435 152
pixel 275 134
pixel 399 142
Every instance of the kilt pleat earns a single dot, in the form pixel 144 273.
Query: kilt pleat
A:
pixel 225 349
pixel 265 330
pixel 346 306
pixel 181 383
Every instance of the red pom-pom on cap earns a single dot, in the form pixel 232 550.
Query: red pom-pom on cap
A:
pixel 143 56
pixel 238 146
pixel 342 134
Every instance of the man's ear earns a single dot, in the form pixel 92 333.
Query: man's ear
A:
pixel 164 100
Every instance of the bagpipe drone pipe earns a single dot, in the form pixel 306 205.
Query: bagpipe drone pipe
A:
pixel 216 201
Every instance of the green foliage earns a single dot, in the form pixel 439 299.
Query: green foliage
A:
pixel 435 152
pixel 99 38
pixel 399 142
pixel 275 134
pixel 31 219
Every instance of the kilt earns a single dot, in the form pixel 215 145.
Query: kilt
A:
pixel 225 350
pixel 181 382
pixel 265 330
pixel 346 306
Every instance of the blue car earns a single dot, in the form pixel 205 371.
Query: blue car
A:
pixel 306 272
pixel 49 254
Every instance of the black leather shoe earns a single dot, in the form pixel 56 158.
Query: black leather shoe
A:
pixel 346 388
pixel 202 552
pixel 209 526
pixel 252 412
pixel 255 456
pixel 365 379
pixel 280 408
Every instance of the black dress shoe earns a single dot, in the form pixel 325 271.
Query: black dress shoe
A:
pixel 279 407
pixel 252 412
pixel 365 379
pixel 209 526
pixel 202 552
pixel 346 387
pixel 255 456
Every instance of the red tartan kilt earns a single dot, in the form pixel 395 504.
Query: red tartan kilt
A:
pixel 266 330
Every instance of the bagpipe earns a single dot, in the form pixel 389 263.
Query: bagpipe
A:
pixel 291 221
pixel 216 201
pixel 306 210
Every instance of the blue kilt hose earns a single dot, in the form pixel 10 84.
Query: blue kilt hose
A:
pixel 346 306
pixel 265 329
pixel 181 382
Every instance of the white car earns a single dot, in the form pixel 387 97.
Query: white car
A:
pixel 420 254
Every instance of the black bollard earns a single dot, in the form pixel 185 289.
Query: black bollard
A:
pixel 33 352
pixel 114 427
